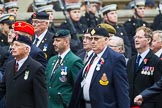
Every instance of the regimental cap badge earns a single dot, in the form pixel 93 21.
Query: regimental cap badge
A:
pixel 93 32
pixel 11 18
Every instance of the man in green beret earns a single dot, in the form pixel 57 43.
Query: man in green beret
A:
pixel 62 70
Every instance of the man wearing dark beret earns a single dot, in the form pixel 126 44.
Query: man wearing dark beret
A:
pixel 103 82
pixel 62 70
pixel 42 38
pixel 24 82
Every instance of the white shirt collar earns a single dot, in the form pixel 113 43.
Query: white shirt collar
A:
pixel 21 62
pixel 41 37
pixel 143 55
pixel 64 54
pixel 158 53
pixel 101 53
pixel 89 52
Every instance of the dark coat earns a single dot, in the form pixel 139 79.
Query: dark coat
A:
pixel 90 20
pixel 46 45
pixel 27 88
pixel 38 55
pixel 157 23
pixel 141 79
pixel 3 40
pixel 153 91
pixel 114 94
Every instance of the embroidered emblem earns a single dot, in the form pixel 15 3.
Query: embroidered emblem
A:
pixel 104 80
pixel 63 78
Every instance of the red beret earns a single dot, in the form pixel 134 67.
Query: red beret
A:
pixel 24 27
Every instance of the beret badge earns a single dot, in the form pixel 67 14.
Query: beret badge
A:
pixel 11 18
pixel 93 32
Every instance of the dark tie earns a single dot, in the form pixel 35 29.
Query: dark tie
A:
pixel 58 63
pixel 36 41
pixel 16 67
pixel 85 58
pixel 89 65
pixel 137 61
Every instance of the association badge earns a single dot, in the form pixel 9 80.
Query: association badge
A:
pixel 104 80
pixel 26 75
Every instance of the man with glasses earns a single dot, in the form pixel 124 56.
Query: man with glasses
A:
pixel 86 52
pixel 143 68
pixel 103 82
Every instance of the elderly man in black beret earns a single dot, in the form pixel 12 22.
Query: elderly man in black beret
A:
pixel 24 82
pixel 103 81
pixel 42 38
pixel 62 70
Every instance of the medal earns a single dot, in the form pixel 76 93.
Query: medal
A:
pixel 98 67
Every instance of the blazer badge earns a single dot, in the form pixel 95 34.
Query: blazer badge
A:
pixel 104 80
pixel 26 75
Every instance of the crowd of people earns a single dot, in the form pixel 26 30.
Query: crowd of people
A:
pixel 88 61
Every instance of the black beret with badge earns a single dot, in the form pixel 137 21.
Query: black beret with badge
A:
pixel 23 39
pixel 100 32
pixel 40 15
pixel 62 33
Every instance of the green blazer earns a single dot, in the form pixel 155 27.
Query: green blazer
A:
pixel 63 79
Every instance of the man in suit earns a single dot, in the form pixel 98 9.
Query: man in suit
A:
pixel 103 82
pixel 42 38
pixel 111 17
pixel 86 52
pixel 24 82
pixel 143 68
pixel 138 8
pixel 156 45
pixel 62 70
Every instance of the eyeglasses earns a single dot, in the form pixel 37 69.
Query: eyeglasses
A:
pixel 139 37
pixel 95 38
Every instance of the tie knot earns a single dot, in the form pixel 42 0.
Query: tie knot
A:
pixel 59 59
pixel 138 59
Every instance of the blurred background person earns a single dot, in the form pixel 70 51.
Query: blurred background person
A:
pixel 92 16
pixel 6 20
pixel 111 17
pixel 11 7
pixel 117 44
pixel 138 8
pixel 156 45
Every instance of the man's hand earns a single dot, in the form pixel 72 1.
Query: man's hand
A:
pixel 138 100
